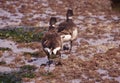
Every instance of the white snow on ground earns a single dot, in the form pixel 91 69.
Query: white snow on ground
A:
pixel 37 61
pixel 101 71
pixel 7 57
pixel 7 69
pixel 75 81
pixel 50 68
pixel 106 75
pixel 13 46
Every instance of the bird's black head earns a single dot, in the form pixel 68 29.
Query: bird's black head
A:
pixel 53 20
pixel 69 12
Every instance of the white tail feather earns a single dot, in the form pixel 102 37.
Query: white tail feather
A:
pixel 48 50
pixel 56 49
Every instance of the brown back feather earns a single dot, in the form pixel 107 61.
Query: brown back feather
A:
pixel 66 27
pixel 51 40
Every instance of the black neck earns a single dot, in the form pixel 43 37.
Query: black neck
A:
pixel 69 18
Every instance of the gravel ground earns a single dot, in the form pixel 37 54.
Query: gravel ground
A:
pixel 95 57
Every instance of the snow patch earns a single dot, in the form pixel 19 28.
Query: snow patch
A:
pixel 12 45
pixel 4 69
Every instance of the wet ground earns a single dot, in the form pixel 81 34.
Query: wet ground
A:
pixel 95 57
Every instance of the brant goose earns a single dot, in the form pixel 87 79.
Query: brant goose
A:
pixel 51 41
pixel 68 30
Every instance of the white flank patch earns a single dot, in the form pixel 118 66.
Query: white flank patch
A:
pixel 56 49
pixel 48 50
pixel 75 33
pixel 66 37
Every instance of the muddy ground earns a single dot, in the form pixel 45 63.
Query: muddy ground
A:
pixel 95 56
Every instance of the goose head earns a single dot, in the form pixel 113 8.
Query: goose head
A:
pixel 69 14
pixel 53 21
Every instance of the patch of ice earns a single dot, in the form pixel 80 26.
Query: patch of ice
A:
pixel 77 21
pixel 107 21
pixel 100 41
pixel 13 19
pixel 101 17
pixel 36 16
pixel 75 81
pixel 12 45
pixel 59 2
pixel 43 16
pixel 10 23
pixel 115 18
pixel 82 27
pixel 116 30
pixel 84 76
pixel 17 15
pixel 7 57
pixel 92 21
pixel 64 56
pixel 107 77
pixel 10 2
pixel 38 62
pixel 117 79
pixel 62 75
pixel 45 4
pixel 82 57
pixel 50 68
pixel 81 17
pixel 9 15
pixel 101 49
pixel 101 71
pixel 4 69
pixel 74 48
pixel 43 24
pixel 49 11
pixel 78 40
pixel 4 13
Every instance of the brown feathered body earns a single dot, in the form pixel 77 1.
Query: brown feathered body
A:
pixel 68 31
pixel 51 42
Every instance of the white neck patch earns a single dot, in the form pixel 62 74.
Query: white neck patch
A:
pixel 70 17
